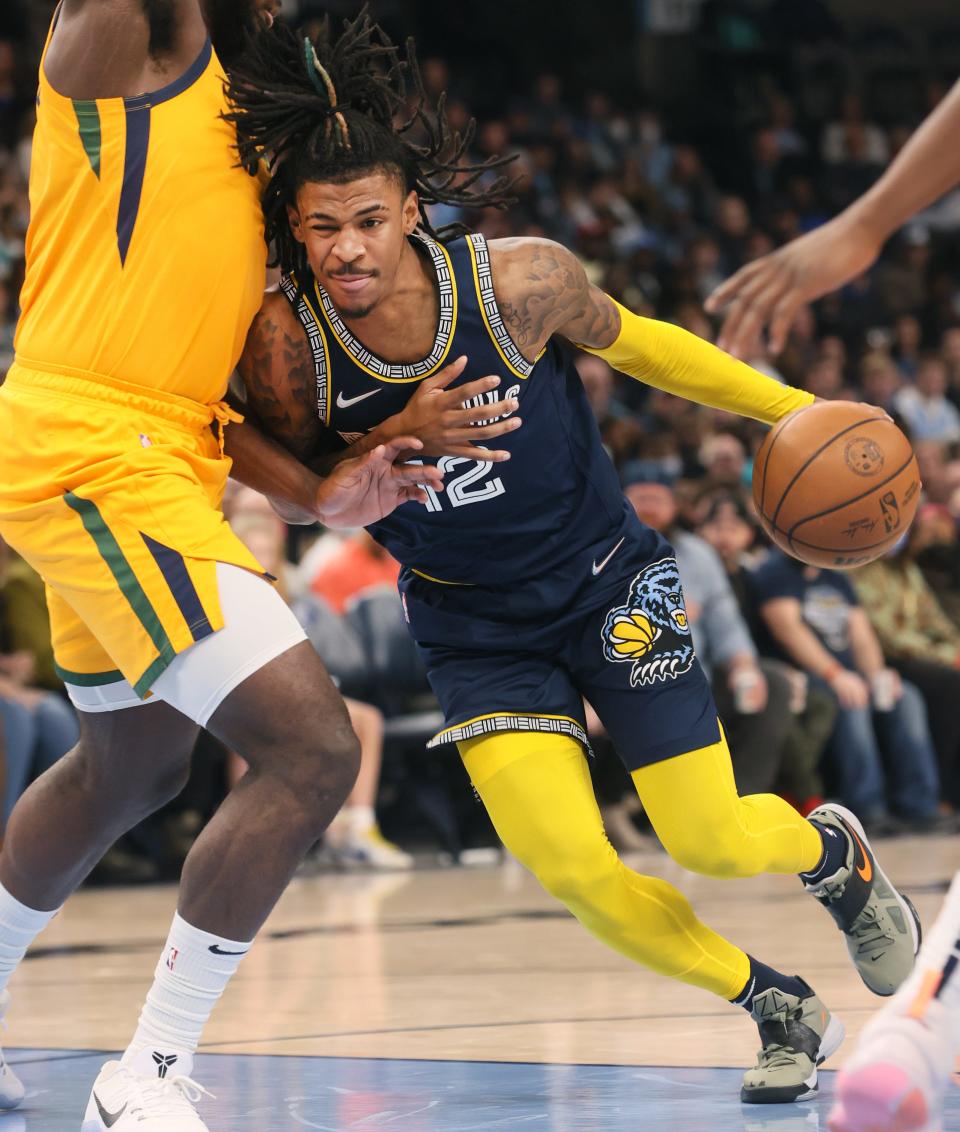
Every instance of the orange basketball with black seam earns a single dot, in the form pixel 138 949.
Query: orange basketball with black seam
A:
pixel 836 484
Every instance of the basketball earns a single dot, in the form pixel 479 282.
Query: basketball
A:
pixel 836 484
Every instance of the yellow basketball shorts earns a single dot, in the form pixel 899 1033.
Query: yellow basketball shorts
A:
pixel 112 493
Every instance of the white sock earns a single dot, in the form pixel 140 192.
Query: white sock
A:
pixel 192 974
pixel 361 818
pixel 19 927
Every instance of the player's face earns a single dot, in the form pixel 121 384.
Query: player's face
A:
pixel 355 235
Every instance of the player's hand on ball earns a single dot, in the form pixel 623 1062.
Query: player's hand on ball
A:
pixel 767 293
pixel 436 416
pixel 361 491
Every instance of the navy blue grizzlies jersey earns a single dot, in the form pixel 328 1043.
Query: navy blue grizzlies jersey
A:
pixel 493 525
pixel 527 584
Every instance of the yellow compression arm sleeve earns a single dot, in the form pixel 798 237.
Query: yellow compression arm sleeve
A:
pixel 676 361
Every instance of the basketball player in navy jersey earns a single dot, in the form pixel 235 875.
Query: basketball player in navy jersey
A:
pixel 529 584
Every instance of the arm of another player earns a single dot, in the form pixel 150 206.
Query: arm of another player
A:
pixel 542 290
pixel 436 415
pixel 277 373
pixel 768 292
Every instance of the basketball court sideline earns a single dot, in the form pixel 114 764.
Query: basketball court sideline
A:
pixel 444 1000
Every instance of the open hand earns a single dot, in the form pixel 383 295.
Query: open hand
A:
pixel 368 488
pixel 436 416
pixel 767 293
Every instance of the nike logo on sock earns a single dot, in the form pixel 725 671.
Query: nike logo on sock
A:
pixel 346 402
pixel 216 949
pixel 108 1118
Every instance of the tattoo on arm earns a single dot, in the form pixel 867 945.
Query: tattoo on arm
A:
pixel 278 375
pixel 547 292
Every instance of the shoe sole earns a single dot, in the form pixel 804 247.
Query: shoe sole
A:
pixel 790 1094
pixel 910 913
pixel 880 1098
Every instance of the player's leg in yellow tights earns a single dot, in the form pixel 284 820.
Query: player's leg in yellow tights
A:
pixel 538 792
pixel 704 825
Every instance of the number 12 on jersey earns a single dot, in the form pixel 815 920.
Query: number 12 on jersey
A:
pixel 472 485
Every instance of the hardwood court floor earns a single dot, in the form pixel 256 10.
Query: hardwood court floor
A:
pixel 401 1000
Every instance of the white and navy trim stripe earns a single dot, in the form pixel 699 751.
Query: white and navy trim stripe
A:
pixel 318 346
pixel 491 311
pixel 496 724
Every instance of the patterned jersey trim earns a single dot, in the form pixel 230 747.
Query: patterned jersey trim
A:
pixel 318 345
pixel 505 721
pixel 483 277
pixel 385 371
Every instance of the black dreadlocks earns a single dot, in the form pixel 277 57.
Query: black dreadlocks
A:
pixel 325 111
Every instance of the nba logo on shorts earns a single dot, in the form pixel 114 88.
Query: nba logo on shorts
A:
pixel 172 957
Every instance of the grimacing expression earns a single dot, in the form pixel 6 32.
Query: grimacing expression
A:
pixel 354 235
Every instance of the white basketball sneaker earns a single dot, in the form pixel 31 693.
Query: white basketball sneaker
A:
pixel 152 1092
pixel 11 1088
pixel 897 1079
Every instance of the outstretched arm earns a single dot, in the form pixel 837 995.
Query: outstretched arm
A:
pixel 767 293
pixel 542 290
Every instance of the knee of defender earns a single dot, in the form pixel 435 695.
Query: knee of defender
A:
pixel 324 776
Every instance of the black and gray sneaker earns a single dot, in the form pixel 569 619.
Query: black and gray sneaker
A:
pixel 881 926
pixel 798 1034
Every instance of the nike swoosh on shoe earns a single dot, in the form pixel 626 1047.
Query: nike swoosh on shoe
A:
pixel 108 1118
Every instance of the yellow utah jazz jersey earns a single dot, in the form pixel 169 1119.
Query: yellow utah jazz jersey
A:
pixel 145 252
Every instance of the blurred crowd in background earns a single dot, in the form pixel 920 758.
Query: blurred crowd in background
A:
pixel 844 685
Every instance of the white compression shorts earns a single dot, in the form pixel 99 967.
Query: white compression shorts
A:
pixel 258 627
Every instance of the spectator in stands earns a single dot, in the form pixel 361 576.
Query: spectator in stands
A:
pixel 620 429
pixel 753 699
pixel 724 458
pixel 357 564
pixel 39 726
pixel 924 405
pixel 880 379
pixel 936 550
pixel 871 145
pixel 907 342
pixel 353 838
pixel 24 620
pixel 729 528
pixel 881 756
pixel 921 642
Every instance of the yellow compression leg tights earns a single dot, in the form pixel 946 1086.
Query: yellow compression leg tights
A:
pixel 704 825
pixel 537 790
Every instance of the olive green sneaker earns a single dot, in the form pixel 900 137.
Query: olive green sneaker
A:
pixel 798 1034
pixel 881 926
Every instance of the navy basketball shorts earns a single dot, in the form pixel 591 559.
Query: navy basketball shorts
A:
pixel 524 658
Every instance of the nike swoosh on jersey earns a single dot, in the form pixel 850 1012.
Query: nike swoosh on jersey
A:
pixel 598 566
pixel 346 402
pixel 108 1118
